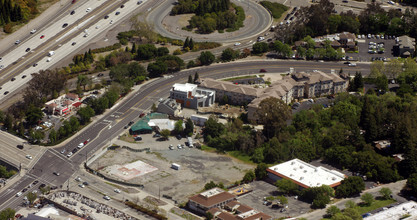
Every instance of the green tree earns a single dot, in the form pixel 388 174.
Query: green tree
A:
pixel 350 186
pixel 283 200
pixel 358 81
pixel 229 54
pixel 83 80
pixel 332 211
pixel 178 127
pixel 190 79
pixel 189 127
pixel 52 136
pixel 412 183
pixel 210 185
pixel 8 122
pixel 286 186
pixel 191 44
pixel 165 134
pixel 206 58
pixel 273 113
pixel 212 128
pixel 85 114
pixel 352 213
pixel 249 177
pixel 33 115
pixel 259 48
pixel 157 68
pixel 7 214
pixel 260 171
pixel 367 199
pixel 196 77
pixel 31 197
pixel 385 193
pixel 162 51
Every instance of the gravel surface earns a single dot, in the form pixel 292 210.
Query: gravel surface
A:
pixel 197 167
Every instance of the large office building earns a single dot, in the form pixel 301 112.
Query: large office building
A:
pixel 304 174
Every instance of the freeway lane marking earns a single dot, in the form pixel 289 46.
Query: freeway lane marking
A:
pixel 75 28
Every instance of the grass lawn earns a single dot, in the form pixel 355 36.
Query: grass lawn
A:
pixel 240 156
pixel 208 149
pixel 375 205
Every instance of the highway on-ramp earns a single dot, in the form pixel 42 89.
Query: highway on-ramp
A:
pixel 258 20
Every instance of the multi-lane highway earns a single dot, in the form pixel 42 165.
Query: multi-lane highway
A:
pixel 68 32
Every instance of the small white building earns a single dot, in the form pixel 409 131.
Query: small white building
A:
pixel 304 174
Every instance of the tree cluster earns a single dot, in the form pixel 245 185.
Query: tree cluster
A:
pixel 321 19
pixel 200 7
pixel 128 74
pixel 10 13
pixel 165 64
pixel 211 15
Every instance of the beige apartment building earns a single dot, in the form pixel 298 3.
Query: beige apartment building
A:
pixel 290 87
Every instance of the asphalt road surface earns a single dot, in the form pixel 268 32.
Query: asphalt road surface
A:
pixel 259 17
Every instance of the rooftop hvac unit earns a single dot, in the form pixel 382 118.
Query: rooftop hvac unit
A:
pixel 305 171
pixel 301 178
pixel 315 170
pixel 301 167
pixel 333 178
pixel 292 163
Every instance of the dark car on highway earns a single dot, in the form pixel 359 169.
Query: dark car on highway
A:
pixel 73 12
pixel 20 146
pixel 27 49
pixel 75 150
pixel 65 25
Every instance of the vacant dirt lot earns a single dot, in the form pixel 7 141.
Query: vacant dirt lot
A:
pixel 197 167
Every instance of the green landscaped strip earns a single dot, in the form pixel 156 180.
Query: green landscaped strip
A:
pixel 375 205
pixel 207 148
pixel 276 9
pixel 243 77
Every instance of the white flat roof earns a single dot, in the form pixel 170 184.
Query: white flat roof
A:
pixel 307 174
pixel 184 87
pixel 396 212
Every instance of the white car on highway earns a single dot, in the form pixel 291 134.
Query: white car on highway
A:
pixel 81 145
pixel 237 44
pixel 69 154
pixel 29 157
pixel 117 190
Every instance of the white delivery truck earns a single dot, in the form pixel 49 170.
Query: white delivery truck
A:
pixel 175 166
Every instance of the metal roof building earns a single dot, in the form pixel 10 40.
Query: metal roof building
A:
pixel 304 174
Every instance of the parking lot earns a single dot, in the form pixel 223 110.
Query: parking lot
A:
pixel 263 189
pixel 197 167
pixel 365 56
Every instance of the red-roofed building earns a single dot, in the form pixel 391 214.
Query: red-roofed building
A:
pixel 212 198
pixel 77 104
